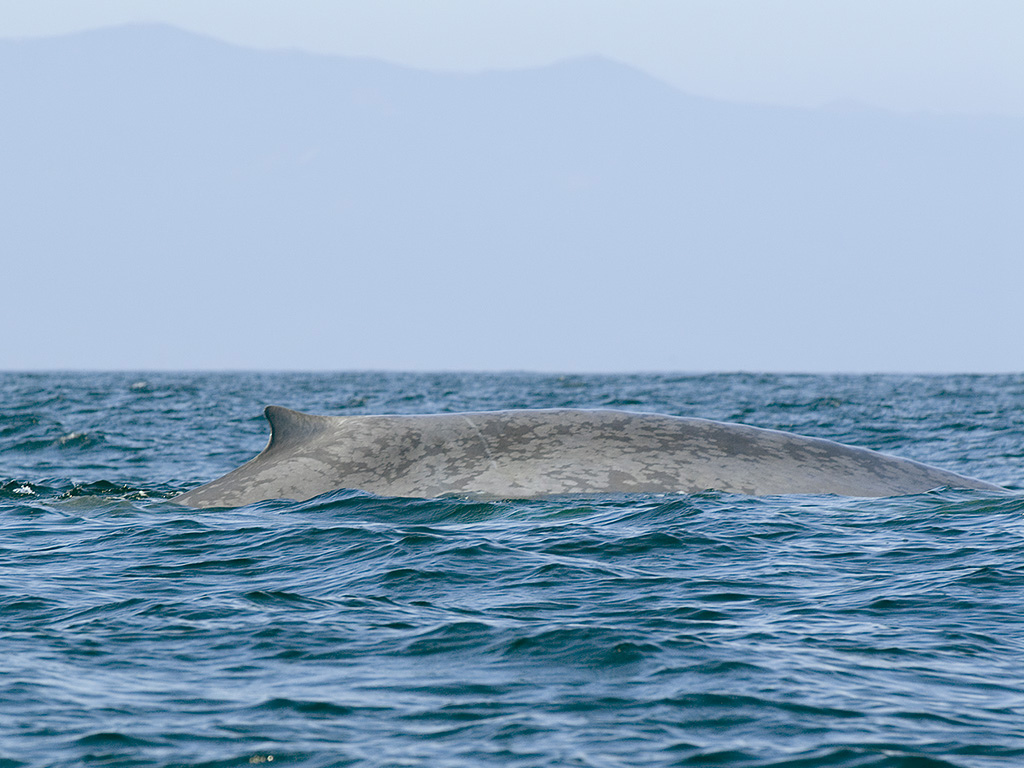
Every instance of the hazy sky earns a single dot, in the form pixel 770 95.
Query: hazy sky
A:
pixel 795 239
pixel 910 55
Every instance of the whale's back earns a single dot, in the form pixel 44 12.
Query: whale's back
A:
pixel 537 453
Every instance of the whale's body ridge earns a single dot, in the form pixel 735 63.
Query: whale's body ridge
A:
pixel 538 453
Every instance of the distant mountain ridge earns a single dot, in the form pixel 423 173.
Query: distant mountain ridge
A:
pixel 281 209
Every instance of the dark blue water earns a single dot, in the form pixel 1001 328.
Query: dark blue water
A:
pixel 350 629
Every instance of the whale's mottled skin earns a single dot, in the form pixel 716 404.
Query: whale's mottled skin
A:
pixel 536 453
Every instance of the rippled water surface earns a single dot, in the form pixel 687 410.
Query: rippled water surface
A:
pixel 351 629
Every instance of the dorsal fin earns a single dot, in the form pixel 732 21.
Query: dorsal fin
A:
pixel 288 427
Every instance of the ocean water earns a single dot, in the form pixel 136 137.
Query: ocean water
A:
pixel 699 630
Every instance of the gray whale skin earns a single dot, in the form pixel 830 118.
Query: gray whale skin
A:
pixel 526 454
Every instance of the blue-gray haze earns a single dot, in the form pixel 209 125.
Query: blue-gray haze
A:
pixel 172 201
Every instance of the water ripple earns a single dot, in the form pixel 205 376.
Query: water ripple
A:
pixel 351 629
